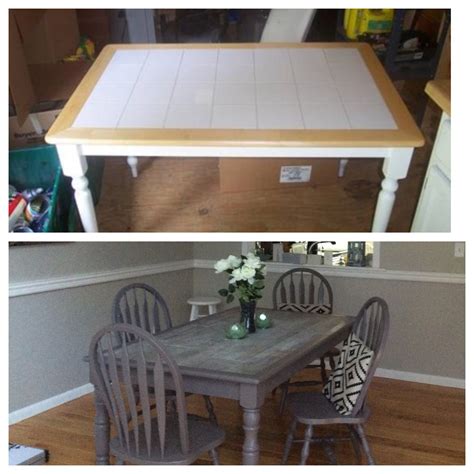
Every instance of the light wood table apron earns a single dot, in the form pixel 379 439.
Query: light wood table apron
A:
pixel 256 100
pixel 245 370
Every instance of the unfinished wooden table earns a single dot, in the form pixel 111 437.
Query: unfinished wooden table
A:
pixel 311 100
pixel 246 369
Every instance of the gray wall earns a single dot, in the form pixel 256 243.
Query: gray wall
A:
pixel 57 260
pixel 50 332
pixel 421 257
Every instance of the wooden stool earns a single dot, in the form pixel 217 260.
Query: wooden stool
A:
pixel 210 301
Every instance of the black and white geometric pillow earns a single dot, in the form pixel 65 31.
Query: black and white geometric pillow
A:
pixel 306 308
pixel 345 382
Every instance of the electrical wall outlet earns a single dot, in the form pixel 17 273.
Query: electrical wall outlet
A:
pixel 459 249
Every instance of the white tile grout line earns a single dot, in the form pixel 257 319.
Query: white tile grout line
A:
pixel 255 89
pixel 173 88
pixel 337 90
pixel 133 88
pixel 214 88
pixel 296 89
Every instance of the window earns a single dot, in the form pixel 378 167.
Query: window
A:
pixel 328 253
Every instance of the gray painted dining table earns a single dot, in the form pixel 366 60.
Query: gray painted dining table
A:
pixel 241 369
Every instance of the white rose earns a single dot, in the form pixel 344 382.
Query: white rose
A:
pixel 237 274
pixel 248 273
pixel 221 266
pixel 233 261
pixel 252 260
pixel 263 271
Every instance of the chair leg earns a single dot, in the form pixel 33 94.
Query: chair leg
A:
pixel 308 435
pixel 365 444
pixel 284 393
pixel 214 456
pixel 355 444
pixel 324 375
pixel 210 409
pixel 289 441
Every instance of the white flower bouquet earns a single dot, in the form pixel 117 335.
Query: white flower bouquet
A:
pixel 246 277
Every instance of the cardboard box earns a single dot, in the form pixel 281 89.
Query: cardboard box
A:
pixel 249 174
pixel 38 40
pixel 23 136
pixel 47 35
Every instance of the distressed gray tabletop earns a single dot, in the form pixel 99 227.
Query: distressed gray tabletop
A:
pixel 201 346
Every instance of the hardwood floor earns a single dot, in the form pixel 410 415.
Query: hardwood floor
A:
pixel 411 423
pixel 183 195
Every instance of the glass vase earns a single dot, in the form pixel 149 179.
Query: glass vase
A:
pixel 247 315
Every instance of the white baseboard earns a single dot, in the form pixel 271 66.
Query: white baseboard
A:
pixel 421 378
pixel 45 405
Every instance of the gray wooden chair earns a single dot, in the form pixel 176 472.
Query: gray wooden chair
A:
pixel 314 409
pixel 142 306
pixel 143 435
pixel 306 287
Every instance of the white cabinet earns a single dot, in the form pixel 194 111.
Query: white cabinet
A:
pixel 433 213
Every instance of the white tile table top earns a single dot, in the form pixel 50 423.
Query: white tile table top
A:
pixel 248 88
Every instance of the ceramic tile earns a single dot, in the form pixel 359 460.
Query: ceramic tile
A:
pixel 235 72
pixel 143 116
pixel 164 58
pixel 188 116
pixel 341 71
pixel 325 115
pixel 137 56
pixel 279 116
pixel 151 74
pixel 99 116
pixel 120 73
pixel 193 93
pixel 267 56
pixel 307 56
pixel 105 92
pixel 273 73
pixel 341 54
pixel 311 73
pixel 157 93
pixel 367 115
pixel 197 73
pixel 234 116
pixel 235 56
pixel 273 65
pixel 276 94
pixel 359 91
pixel 193 57
pixel 320 92
pixel 234 94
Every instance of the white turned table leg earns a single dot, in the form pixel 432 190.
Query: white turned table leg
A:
pixel 133 163
pixel 342 167
pixel 75 165
pixel 395 167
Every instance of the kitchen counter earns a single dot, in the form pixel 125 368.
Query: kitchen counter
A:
pixel 439 90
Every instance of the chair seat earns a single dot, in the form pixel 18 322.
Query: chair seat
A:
pixel 203 436
pixel 313 408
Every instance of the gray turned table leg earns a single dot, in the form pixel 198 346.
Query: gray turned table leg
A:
pixel 102 432
pixel 251 451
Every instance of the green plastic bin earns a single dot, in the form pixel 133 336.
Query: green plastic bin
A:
pixel 39 167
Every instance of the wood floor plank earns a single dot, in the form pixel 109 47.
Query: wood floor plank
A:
pixel 411 423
